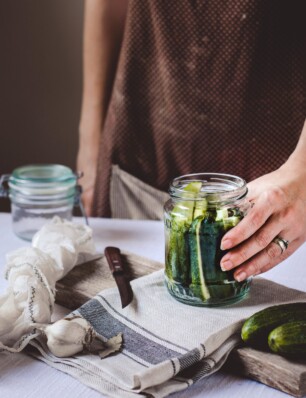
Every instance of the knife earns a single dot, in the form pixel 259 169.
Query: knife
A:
pixel 119 271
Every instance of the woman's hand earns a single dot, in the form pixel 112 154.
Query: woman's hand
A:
pixel 278 209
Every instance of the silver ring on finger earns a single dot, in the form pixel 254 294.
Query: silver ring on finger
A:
pixel 282 243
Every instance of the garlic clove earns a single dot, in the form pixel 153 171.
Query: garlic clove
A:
pixel 68 337
pixel 63 350
pixel 67 331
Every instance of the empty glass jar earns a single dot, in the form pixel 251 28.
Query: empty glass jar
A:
pixel 202 208
pixel 38 193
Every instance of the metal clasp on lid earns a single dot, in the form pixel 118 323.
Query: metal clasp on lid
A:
pixel 78 196
pixel 4 192
pixel 78 201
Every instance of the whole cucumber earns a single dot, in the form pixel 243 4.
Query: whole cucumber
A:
pixel 256 329
pixel 289 339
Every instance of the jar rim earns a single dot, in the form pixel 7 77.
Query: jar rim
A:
pixel 42 174
pixel 216 187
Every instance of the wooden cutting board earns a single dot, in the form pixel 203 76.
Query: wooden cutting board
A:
pixel 85 281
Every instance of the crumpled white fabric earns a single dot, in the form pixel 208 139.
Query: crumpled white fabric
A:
pixel 32 273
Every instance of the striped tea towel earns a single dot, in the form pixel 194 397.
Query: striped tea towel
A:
pixel 168 345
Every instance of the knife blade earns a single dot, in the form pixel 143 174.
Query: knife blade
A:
pixel 119 271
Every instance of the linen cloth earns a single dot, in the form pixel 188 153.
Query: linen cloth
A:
pixel 32 273
pixel 167 345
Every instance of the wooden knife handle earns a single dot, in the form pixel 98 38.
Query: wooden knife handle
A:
pixel 114 259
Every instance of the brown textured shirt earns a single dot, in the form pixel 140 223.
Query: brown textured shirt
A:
pixel 205 86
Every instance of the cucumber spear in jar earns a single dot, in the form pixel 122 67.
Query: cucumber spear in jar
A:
pixel 206 232
pixel 181 217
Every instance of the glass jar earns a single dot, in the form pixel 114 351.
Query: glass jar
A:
pixel 38 193
pixel 202 208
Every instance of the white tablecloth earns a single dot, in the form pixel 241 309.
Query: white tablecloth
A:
pixel 24 377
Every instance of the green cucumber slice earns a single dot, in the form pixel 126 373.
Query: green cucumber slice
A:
pixel 188 210
pixel 198 284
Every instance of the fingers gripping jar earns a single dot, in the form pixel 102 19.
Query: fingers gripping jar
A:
pixel 202 208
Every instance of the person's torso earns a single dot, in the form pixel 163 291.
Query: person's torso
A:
pixel 208 86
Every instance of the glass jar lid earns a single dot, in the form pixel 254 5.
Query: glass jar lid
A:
pixel 42 179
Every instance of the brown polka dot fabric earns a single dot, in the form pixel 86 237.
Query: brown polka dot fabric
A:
pixel 205 86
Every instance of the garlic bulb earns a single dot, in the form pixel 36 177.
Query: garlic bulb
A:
pixel 70 336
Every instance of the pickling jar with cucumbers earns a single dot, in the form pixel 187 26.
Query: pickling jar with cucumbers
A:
pixel 201 209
